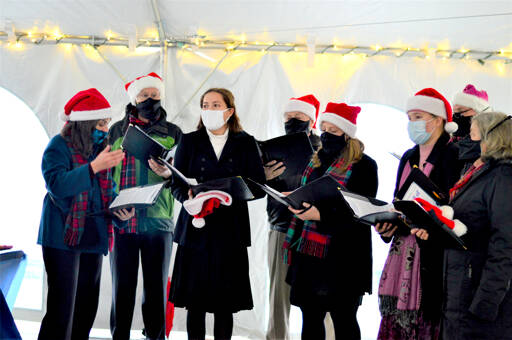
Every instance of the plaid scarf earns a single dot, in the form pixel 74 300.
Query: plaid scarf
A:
pixel 129 179
pixel 464 180
pixel 75 221
pixel 309 240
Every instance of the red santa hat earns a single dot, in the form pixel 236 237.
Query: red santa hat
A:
pixel 86 105
pixel 138 84
pixel 472 98
pixel 445 215
pixel 307 104
pixel 433 102
pixel 342 115
pixel 204 203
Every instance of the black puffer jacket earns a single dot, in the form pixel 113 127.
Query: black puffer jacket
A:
pixel 477 295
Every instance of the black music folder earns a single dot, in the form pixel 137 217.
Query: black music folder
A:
pixel 324 188
pixel 293 150
pixel 139 197
pixel 235 186
pixel 143 147
pixel 418 184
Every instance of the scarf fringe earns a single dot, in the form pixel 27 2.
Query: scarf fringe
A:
pixel 388 308
pixel 72 237
pixel 313 248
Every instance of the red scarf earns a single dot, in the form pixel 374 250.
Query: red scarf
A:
pixel 464 180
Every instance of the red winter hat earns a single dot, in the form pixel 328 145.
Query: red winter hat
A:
pixel 433 102
pixel 445 215
pixel 138 84
pixel 204 203
pixel 472 98
pixel 307 104
pixel 86 105
pixel 342 115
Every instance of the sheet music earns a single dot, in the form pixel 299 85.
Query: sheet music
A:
pixel 137 195
pixel 362 207
pixel 415 191
pixel 274 191
pixel 189 181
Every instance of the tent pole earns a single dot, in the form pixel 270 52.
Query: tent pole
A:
pixel 163 46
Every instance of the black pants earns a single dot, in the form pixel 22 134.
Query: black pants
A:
pixel 155 254
pixel 73 293
pixel 222 326
pixel 343 318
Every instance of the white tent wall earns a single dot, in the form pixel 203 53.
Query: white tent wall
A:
pixel 45 77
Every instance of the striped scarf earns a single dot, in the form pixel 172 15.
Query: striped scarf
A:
pixel 129 180
pixel 309 240
pixel 75 221
pixel 464 180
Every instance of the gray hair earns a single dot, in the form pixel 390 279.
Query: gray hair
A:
pixel 496 131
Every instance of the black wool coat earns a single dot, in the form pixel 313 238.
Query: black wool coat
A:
pixel 477 295
pixel 195 158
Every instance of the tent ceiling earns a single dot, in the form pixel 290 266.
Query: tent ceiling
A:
pixel 482 25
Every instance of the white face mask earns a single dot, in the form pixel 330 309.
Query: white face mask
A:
pixel 213 119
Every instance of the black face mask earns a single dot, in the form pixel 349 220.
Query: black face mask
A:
pixel 295 125
pixel 332 144
pixel 469 150
pixel 149 109
pixel 464 124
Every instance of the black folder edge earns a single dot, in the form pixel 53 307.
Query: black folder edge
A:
pixel 168 152
pixel 432 223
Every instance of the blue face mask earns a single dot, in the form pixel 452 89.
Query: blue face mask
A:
pixel 98 136
pixel 418 132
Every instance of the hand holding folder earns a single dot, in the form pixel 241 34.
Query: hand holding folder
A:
pixel 294 151
pixel 322 189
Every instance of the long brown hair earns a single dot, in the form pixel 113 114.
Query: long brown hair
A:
pixel 352 153
pixel 233 121
pixel 79 134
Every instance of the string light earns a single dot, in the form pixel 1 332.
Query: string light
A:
pixel 17 39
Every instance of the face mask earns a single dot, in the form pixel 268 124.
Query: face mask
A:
pixel 332 144
pixel 469 150
pixel 294 125
pixel 98 136
pixel 149 109
pixel 464 124
pixel 213 119
pixel 417 131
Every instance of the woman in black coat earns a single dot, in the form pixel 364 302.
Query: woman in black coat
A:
pixel 330 253
pixel 211 270
pixel 477 295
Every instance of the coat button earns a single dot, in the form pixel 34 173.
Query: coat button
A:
pixel 202 168
pixel 203 159
pixel 230 160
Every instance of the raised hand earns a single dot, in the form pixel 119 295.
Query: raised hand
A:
pixel 106 159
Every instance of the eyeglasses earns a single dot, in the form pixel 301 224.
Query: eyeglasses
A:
pixel 103 122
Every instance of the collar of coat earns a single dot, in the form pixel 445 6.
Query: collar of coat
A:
pixel 488 166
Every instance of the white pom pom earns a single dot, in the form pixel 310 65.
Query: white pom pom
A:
pixel 450 127
pixel 447 211
pixel 459 228
pixel 63 116
pixel 198 222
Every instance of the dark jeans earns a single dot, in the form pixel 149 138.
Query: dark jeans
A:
pixel 73 293
pixel 154 250
pixel 343 318
pixel 222 325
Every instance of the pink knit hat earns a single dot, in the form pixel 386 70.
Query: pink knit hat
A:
pixel 472 98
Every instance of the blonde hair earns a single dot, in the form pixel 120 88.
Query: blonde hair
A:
pixel 496 132
pixel 352 153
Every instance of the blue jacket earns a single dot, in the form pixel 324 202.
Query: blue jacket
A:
pixel 63 183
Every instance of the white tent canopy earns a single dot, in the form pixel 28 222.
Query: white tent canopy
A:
pixel 205 43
